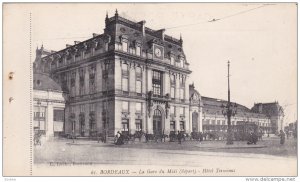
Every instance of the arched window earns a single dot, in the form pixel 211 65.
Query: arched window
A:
pixel 157 112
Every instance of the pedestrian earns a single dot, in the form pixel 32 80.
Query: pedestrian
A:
pixel 119 138
pixel 179 137
pixel 282 137
pixel 200 137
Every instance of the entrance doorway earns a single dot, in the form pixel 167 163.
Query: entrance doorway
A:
pixel 195 121
pixel 81 124
pixel 157 122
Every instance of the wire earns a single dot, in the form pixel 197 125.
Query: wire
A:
pixel 218 19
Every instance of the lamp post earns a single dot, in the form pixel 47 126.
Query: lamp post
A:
pixel 229 110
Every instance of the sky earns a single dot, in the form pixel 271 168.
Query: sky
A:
pixel 259 40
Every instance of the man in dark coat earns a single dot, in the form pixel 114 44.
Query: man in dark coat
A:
pixel 282 137
pixel 179 136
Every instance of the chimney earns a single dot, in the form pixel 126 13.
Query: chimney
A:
pixel 76 42
pixel 162 33
pixel 143 26
pixel 68 45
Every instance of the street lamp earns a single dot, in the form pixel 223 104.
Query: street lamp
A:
pixel 229 110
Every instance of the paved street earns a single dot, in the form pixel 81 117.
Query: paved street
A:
pixel 265 158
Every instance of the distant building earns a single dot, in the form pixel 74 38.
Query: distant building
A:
pixel 132 78
pixel 214 120
pixel 272 110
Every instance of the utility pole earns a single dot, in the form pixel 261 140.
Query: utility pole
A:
pixel 229 110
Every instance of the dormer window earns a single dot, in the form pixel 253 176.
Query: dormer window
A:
pixel 138 50
pixel 124 46
pixel 172 60
pixel 124 42
pixel 181 63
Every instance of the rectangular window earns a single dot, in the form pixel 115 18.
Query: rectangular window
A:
pixel 139 86
pixel 125 125
pixel 58 115
pixel 182 127
pixel 182 81
pixel 172 110
pixel 213 122
pixel 125 84
pixel 138 124
pixel 138 72
pixel 157 82
pixel 173 79
pixel 172 92
pixel 82 108
pixel 73 77
pixel 81 81
pixel 181 93
pixel 172 125
pixel 138 107
pixel 39 113
pixel 138 50
pixel 181 111
pixel 92 84
pixel 125 71
pixel 208 121
pixel 125 106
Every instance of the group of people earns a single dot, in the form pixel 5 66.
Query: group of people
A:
pixel 252 139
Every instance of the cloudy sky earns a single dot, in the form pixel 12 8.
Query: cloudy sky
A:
pixel 260 40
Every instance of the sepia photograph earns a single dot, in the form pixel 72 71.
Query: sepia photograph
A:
pixel 150 89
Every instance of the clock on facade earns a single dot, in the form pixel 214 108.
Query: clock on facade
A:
pixel 157 52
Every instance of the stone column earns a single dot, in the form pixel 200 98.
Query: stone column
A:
pixel 131 80
pixel 177 118
pixel 187 120
pixel 144 110
pixel 177 90
pixel 166 83
pixel 87 120
pixel 77 112
pixel 186 91
pixel 200 120
pixel 144 80
pixel 77 83
pixel 49 124
pixel 98 77
pixel 149 81
pixel 132 128
pixel 118 116
pixel 99 119
pixel 190 121
pixel 118 74
pixel 86 80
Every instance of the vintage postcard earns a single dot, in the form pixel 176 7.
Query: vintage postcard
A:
pixel 150 89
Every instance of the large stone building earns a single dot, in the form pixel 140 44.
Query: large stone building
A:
pixel 132 78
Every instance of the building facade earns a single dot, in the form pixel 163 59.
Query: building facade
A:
pixel 128 79
pixel 131 78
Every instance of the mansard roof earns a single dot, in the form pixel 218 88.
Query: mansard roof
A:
pixel 44 82
pixel 213 106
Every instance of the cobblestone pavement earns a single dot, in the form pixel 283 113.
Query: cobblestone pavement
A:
pixel 265 158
